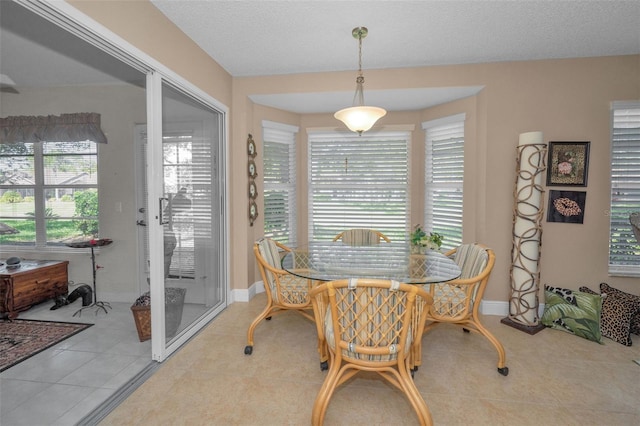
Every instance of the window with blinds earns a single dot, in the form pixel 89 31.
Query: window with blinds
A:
pixel 624 249
pixel 358 182
pixel 48 193
pixel 279 169
pixel 444 177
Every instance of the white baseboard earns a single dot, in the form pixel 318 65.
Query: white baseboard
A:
pixel 241 295
pixel 495 307
pixel 487 307
pixel 245 295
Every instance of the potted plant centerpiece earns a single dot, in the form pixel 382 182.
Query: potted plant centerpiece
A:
pixel 421 242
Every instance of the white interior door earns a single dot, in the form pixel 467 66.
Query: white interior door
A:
pixel 142 219
pixel 179 143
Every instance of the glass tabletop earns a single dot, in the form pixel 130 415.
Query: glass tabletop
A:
pixel 328 260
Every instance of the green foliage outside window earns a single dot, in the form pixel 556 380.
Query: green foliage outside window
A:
pixel 64 176
pixel 48 213
pixel 11 197
pixel 86 206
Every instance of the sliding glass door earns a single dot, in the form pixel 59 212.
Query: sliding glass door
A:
pixel 186 229
pixel 184 194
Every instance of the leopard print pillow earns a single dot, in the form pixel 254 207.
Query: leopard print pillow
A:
pixel 632 298
pixel 565 293
pixel 635 324
pixel 617 315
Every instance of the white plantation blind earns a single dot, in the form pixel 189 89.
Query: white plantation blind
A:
pixel 624 249
pixel 444 177
pixel 279 168
pixel 358 182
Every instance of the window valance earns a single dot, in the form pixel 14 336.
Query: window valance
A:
pixel 79 127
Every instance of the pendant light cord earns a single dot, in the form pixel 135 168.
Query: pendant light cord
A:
pixel 358 98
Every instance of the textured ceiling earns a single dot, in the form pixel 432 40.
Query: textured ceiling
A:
pixel 252 38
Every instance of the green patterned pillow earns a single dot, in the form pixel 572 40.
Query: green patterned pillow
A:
pixel 581 318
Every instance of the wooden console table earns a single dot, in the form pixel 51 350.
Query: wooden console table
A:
pixel 33 282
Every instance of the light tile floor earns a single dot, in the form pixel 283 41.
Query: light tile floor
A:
pixel 555 378
pixel 64 383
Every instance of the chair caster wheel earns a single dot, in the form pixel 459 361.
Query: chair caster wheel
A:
pixel 268 318
pixel 248 350
pixel 504 371
pixel 324 365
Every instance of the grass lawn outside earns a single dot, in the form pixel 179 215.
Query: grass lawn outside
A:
pixel 60 224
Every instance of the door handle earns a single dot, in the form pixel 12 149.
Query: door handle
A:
pixel 141 223
pixel 161 200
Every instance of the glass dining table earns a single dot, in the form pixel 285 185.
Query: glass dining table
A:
pixel 333 260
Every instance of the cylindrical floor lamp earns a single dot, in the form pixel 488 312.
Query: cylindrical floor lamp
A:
pixel 527 233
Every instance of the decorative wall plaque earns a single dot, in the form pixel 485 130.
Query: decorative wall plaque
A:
pixel 252 152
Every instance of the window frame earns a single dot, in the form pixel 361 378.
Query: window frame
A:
pixel 624 179
pixel 40 189
pixel 285 135
pixel 396 228
pixel 452 130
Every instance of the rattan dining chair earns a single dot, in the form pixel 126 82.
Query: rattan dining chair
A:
pixel 369 325
pixel 361 237
pixel 458 301
pixel 285 291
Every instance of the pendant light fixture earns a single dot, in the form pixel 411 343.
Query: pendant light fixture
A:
pixel 360 118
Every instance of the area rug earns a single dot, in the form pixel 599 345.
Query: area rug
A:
pixel 21 339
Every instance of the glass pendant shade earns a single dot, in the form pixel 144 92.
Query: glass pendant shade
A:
pixel 360 118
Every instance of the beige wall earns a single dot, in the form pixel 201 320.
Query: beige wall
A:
pixel 146 28
pixel 120 108
pixel 568 100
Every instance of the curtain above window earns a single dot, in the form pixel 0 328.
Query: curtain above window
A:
pixel 78 127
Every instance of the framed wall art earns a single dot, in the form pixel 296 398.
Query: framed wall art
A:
pixel 568 163
pixel 566 206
